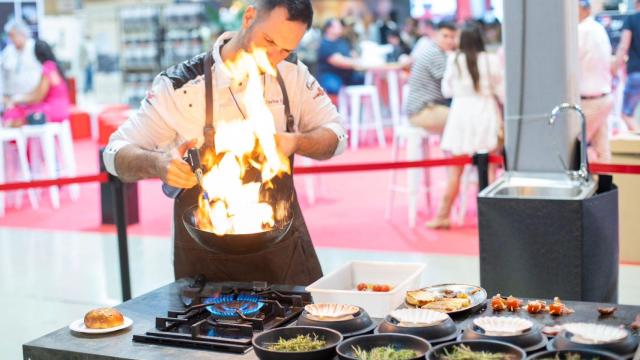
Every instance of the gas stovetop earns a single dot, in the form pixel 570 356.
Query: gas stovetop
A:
pixel 225 316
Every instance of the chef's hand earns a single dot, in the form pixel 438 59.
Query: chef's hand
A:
pixel 287 143
pixel 176 172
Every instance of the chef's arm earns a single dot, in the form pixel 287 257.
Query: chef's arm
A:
pixel 133 163
pixel 144 146
pixel 321 143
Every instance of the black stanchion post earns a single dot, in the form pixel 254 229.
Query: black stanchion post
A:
pixel 481 161
pixel 121 225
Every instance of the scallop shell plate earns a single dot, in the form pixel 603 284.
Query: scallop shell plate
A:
pixel 503 325
pixel 331 312
pixel 586 333
pixel 418 317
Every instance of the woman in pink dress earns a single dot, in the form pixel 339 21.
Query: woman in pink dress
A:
pixel 50 97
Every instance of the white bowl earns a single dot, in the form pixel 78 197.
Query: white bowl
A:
pixel 340 286
pixel 503 325
pixel 587 333
pixel 418 317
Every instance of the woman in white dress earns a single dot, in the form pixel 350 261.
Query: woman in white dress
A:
pixel 474 80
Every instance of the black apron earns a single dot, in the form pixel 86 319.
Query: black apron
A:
pixel 291 261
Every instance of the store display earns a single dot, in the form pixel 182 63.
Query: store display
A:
pixel 154 38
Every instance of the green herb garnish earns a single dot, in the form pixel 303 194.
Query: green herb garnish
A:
pixel 463 352
pixel 298 344
pixel 384 353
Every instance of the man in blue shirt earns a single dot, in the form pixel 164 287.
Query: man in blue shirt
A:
pixel 335 63
pixel 630 47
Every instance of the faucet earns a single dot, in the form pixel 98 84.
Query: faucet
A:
pixel 583 172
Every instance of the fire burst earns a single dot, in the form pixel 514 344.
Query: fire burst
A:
pixel 245 161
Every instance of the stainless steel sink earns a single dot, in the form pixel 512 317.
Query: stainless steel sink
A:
pixel 540 186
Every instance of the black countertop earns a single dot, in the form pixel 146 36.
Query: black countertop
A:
pixel 65 344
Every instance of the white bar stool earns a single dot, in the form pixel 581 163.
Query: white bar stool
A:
pixel 418 145
pixel 8 135
pixel 47 134
pixel 354 96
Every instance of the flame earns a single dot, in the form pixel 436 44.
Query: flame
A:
pixel 244 148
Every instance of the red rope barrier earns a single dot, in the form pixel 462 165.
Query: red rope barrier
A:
pixel 101 177
pixel 459 161
pixel 598 168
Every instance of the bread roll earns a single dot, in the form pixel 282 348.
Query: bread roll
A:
pixel 103 318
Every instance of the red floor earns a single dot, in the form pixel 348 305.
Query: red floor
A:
pixel 349 211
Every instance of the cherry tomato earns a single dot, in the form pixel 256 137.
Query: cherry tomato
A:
pixel 377 288
pixel 385 288
pixel 362 287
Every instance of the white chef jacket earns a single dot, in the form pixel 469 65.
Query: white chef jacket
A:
pixel 595 58
pixel 21 70
pixel 174 112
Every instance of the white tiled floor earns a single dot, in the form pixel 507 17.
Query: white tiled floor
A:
pixel 48 279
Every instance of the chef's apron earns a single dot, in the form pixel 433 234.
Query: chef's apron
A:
pixel 290 261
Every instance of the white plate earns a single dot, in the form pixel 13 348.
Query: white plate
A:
pixel 418 317
pixel 79 326
pixel 503 325
pixel 588 333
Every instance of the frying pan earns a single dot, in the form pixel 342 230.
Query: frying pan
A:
pixel 235 244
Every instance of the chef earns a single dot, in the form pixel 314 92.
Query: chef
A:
pixel 180 109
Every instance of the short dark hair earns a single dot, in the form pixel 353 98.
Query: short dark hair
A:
pixel 298 10
pixel 446 24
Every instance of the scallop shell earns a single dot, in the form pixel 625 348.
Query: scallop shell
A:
pixel 503 325
pixel 587 333
pixel 418 317
pixel 331 312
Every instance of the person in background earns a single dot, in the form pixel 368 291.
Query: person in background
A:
pixel 595 81
pixel 474 80
pixel 409 33
pixel 426 30
pixel 50 97
pixel 87 60
pixel 386 20
pixel 629 46
pixel 399 47
pixel 335 62
pixel 20 68
pixel 426 106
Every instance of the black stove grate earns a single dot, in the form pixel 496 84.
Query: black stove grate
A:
pixel 226 318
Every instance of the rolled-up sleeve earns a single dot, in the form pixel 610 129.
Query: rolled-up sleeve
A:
pixel 317 110
pixel 149 127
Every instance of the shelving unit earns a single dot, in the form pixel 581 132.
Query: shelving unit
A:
pixel 155 37
pixel 182 25
pixel 141 51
